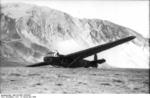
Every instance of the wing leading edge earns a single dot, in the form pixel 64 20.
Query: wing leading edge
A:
pixel 99 48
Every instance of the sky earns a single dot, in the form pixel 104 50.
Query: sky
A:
pixel 133 14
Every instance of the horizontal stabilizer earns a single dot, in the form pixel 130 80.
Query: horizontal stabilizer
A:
pixel 98 61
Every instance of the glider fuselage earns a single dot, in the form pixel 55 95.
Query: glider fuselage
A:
pixel 67 62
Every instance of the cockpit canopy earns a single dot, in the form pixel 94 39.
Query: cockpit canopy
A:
pixel 52 54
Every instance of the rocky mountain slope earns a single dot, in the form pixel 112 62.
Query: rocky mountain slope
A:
pixel 28 32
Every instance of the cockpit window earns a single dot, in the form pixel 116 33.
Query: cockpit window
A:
pixel 53 54
pixel 50 54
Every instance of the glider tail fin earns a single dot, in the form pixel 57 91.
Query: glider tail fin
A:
pixel 96 62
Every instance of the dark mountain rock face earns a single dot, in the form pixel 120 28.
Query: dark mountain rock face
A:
pixel 29 32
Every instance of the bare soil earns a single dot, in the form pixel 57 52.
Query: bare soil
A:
pixel 79 80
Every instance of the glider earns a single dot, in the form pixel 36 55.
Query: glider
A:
pixel 76 59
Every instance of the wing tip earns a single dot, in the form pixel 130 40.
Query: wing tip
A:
pixel 37 64
pixel 132 37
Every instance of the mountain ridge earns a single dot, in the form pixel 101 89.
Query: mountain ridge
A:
pixel 29 32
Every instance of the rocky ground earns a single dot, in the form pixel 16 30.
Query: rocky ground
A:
pixel 78 80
